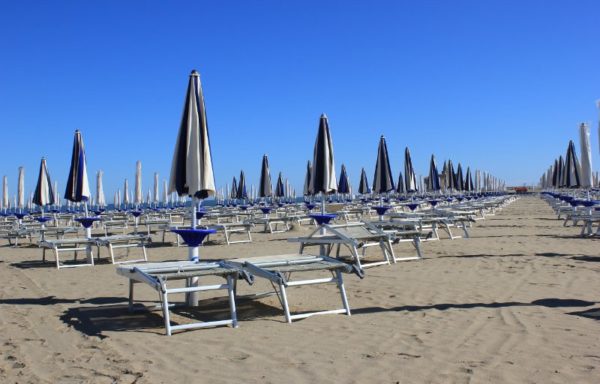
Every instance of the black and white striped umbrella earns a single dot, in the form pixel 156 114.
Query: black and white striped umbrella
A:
pixel 78 187
pixel 307 179
pixel 191 169
pixel 410 179
pixel 469 187
pixel 242 193
pixel 450 176
pixel 234 189
pixel 363 186
pixel 571 176
pixel 383 181
pixel 344 184
pixel 265 189
pixel 279 188
pixel 555 175
pixel 323 179
pixel 460 182
pixel 433 180
pixel 560 171
pixel 400 186
pixel 44 194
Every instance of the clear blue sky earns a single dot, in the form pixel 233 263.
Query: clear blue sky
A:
pixel 497 85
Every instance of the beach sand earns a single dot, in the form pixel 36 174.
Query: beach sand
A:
pixel 515 303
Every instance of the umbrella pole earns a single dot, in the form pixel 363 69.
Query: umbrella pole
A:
pixel 192 297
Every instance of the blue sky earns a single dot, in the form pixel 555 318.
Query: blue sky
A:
pixel 497 85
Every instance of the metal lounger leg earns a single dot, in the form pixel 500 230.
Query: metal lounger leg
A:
pixel 340 284
pixel 231 292
pixel 131 295
pixel 166 314
pixel 284 302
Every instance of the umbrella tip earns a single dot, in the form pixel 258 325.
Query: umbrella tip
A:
pixel 323 115
pixel 194 73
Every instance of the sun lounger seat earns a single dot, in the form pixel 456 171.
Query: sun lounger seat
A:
pixel 69 245
pixel 234 228
pixel 123 242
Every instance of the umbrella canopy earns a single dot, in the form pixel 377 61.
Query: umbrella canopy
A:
pixel 323 179
pixel 469 187
pixel 265 189
pixel 78 187
pixel 100 199
pixel 363 186
pixel 344 184
pixel 383 181
pixel 21 189
pixel 5 202
pixel 126 192
pixel 116 201
pixel 460 182
pixel 43 195
pixel 165 193
pixel 571 177
pixel 242 193
pixel 279 189
pixel 307 179
pixel 234 189
pixel 156 188
pixel 192 170
pixel 587 180
pixel 433 180
pixel 400 186
pixel 450 176
pixel 138 194
pixel 410 179
pixel 560 169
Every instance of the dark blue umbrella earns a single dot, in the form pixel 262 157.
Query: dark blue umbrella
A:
pixel 571 176
pixel 307 191
pixel 241 190
pixel 383 181
pixel 363 186
pixel 265 188
pixel 344 184
pixel 433 181
pixel 400 186
pixel 78 188
pixel 234 189
pixel 409 173
pixel 279 188
pixel 460 182
pixel 44 194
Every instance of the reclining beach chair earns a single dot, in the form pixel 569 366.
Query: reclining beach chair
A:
pixel 74 245
pixel 354 236
pixel 159 277
pixel 279 269
pixel 126 242
pixel 403 231
pixel 234 228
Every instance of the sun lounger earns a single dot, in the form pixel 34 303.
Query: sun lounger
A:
pixel 160 277
pixel 229 229
pixel 272 224
pixel 123 242
pixel 403 232
pixel 69 245
pixel 278 270
pixel 354 236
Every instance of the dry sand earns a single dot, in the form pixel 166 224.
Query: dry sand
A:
pixel 516 303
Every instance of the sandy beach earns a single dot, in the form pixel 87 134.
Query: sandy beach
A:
pixel 515 303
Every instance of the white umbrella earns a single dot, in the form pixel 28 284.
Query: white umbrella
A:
pixel 138 197
pixel 100 199
pixel 21 189
pixel 5 202
pixel 126 193
pixel 156 193
pixel 586 156
pixel 165 193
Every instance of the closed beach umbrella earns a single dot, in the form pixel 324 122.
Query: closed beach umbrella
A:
pixel 450 176
pixel 138 194
pixel 234 189
pixel 307 178
pixel 323 179
pixel 410 179
pixel 100 199
pixel 21 189
pixel 460 182
pixel 586 156
pixel 279 188
pixel 265 189
pixel 469 181
pixel 165 193
pixel 156 189
pixel 78 187
pixel 5 202
pixel 433 180
pixel 383 181
pixel 555 175
pixel 192 170
pixel 571 178
pixel 344 184
pixel 400 186
pixel 560 171
pixel 43 195
pixel 126 192
pixel 242 193
pixel 363 186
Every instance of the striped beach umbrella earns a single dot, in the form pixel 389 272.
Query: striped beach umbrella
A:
pixel 400 186
pixel 410 179
pixel 363 185
pixel 571 177
pixel 560 171
pixel 450 176
pixel 192 170
pixel 460 181
pixel 306 191
pixel 323 179
pixel 587 180
pixel 433 180
pixel 279 188
pixel 43 195
pixel 21 189
pixel 100 199
pixel 265 189
pixel 383 181
pixel 469 187
pixel 234 189
pixel 242 193
pixel 78 187
pixel 344 184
